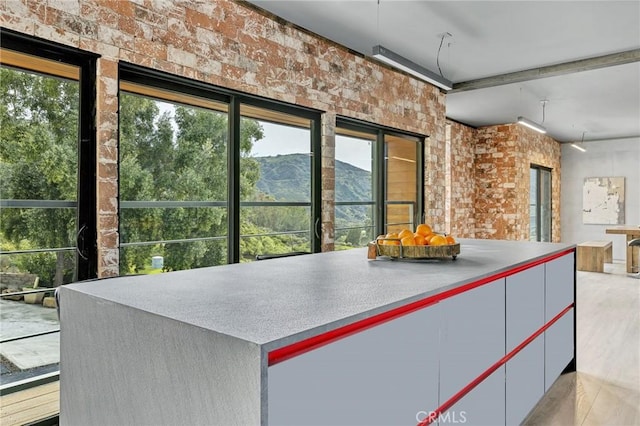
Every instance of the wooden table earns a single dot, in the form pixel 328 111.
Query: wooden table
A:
pixel 592 255
pixel 632 232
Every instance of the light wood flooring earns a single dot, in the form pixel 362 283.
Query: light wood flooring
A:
pixel 30 405
pixel 606 388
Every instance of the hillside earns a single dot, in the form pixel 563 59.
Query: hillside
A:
pixel 287 177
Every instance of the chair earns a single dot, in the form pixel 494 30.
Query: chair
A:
pixel 635 243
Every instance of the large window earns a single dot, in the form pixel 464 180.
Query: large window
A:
pixel 354 188
pixel 403 183
pixel 539 204
pixel 173 181
pixel 275 186
pixel 47 197
pixel 378 182
pixel 209 177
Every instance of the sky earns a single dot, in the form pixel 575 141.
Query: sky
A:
pixel 280 139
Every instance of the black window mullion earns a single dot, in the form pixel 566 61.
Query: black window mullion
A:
pixel 87 251
pixel 419 213
pixel 380 176
pixel 316 186
pixel 539 205
pixel 233 158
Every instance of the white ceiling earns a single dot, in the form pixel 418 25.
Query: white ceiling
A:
pixel 492 38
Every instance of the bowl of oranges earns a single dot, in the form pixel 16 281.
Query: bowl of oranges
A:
pixel 423 243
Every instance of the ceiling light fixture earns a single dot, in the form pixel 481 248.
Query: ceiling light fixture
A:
pixel 532 124
pixel 578 147
pixel 389 57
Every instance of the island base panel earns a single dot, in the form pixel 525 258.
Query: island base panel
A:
pixel 121 366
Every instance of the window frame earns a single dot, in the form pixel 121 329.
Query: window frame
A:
pixel 141 76
pixel 379 167
pixel 538 202
pixel 86 238
pixel 86 251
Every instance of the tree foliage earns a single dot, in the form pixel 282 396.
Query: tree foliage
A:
pixel 38 161
pixel 180 154
pixel 167 152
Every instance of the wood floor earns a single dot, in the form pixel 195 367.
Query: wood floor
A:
pixel 606 388
pixel 30 405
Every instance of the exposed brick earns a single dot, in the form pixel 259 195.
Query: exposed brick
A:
pixel 503 156
pixel 230 44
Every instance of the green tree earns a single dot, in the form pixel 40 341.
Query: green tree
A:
pixel 353 237
pixel 38 161
pixel 178 155
pixel 167 153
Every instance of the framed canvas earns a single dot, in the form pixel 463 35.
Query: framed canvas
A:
pixel 603 201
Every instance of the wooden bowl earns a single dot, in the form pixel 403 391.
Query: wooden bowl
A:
pixel 416 252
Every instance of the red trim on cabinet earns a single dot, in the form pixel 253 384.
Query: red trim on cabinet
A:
pixel 298 348
pixel 287 352
pixel 458 396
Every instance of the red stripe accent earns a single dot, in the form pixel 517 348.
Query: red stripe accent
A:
pixel 455 398
pixel 298 348
pixel 286 352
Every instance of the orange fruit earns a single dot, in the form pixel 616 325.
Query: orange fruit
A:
pixel 424 229
pixel 392 242
pixel 450 240
pixel 428 238
pixel 419 239
pixel 408 241
pixel 438 240
pixel 405 233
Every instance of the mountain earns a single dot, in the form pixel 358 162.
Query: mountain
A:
pixel 287 178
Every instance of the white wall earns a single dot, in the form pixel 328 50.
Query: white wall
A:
pixel 620 157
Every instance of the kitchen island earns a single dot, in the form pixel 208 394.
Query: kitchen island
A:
pixel 329 338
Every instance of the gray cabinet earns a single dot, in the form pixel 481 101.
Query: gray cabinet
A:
pixel 559 278
pixel 525 305
pixel 558 348
pixel 559 294
pixel 385 375
pixel 483 406
pixel 524 381
pixel 472 336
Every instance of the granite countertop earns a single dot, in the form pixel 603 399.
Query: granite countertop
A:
pixel 279 301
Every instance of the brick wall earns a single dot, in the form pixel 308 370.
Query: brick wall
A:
pixel 235 46
pixel 541 150
pixel 483 193
pixel 503 156
pixel 460 180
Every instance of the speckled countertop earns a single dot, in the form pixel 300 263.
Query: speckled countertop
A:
pixel 279 301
